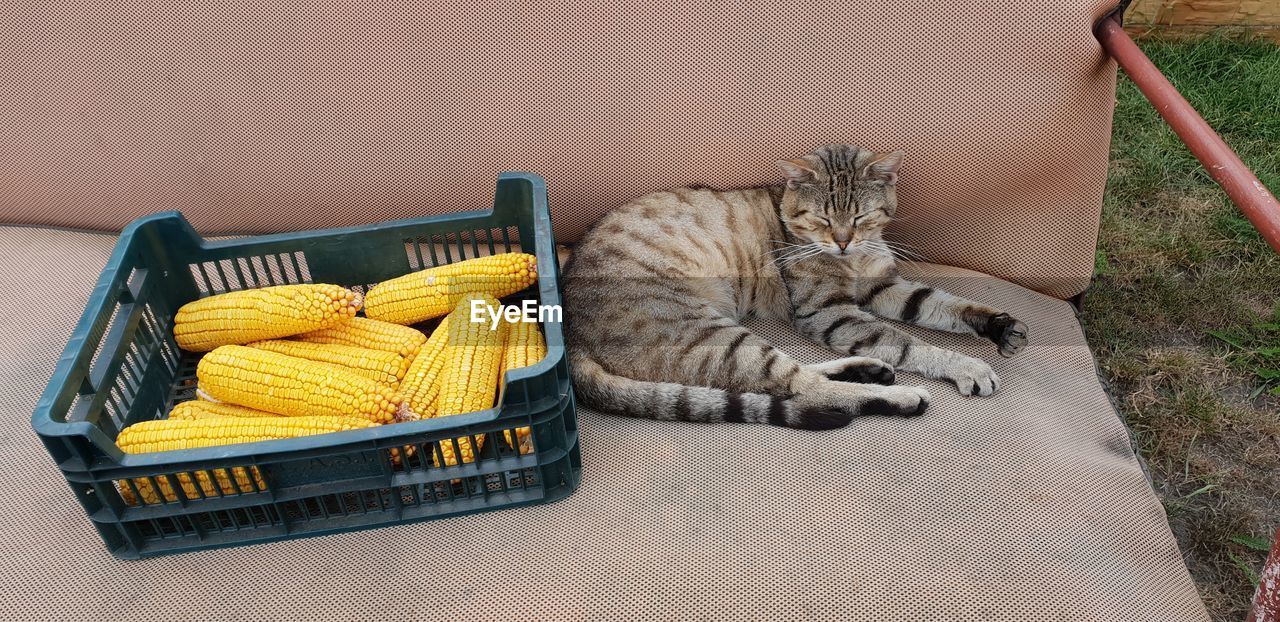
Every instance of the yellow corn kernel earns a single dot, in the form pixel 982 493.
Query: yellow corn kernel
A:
pixel 201 409
pixel 228 482
pixel 525 346
pixel 421 383
pixel 367 333
pixel 451 456
pixel 171 434
pixel 256 314
pixel 291 386
pixel 421 389
pixel 468 376
pixel 472 358
pixel 379 365
pixel 434 292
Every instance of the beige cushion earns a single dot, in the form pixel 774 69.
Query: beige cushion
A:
pixel 283 116
pixel 1024 506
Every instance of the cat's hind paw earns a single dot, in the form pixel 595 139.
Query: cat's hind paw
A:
pixel 860 369
pixel 901 401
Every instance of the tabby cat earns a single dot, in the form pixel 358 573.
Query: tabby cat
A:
pixel 655 292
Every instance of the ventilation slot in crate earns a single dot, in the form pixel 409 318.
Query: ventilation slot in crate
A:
pixel 470 488
pixel 238 519
pixel 112 391
pixel 99 361
pixel 216 277
pixel 191 486
pixel 183 388
pixel 158 334
pixel 338 505
pixel 169 527
pixel 444 248
pixel 437 454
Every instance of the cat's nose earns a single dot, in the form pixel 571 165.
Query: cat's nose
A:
pixel 842 242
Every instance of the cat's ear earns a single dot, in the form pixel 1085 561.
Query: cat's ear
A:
pixel 797 171
pixel 883 167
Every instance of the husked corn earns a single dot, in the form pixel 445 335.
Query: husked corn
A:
pixel 421 388
pixel 266 313
pixel 367 333
pixel 421 385
pixel 172 434
pixel 291 386
pixel 473 355
pixel 201 409
pixel 433 292
pixel 525 346
pixel 380 365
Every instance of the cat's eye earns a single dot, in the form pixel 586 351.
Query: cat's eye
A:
pixel 825 221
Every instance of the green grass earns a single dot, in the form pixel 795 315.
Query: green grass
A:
pixel 1184 312
pixel 1256 350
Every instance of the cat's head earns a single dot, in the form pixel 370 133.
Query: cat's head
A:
pixel 840 197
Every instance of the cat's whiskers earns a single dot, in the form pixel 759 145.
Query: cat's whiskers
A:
pixel 814 250
pixel 787 252
pixel 785 260
pixel 902 246
pixel 785 249
pixel 897 254
pixel 884 249
pixel 786 246
pixel 795 249
pixel 903 250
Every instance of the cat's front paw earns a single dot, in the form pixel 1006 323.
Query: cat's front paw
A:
pixel 972 376
pixel 1008 333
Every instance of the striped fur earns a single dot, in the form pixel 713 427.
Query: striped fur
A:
pixel 655 292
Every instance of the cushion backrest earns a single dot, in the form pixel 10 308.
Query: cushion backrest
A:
pixel 290 115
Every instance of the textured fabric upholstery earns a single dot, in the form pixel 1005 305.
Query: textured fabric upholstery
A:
pixel 286 115
pixel 1024 506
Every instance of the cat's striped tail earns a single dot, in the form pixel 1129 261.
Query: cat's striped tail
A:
pixel 668 401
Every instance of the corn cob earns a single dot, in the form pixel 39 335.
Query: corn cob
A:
pixel 224 479
pixel 291 386
pixel 469 377
pixel 524 347
pixel 421 388
pixel 434 292
pixel 171 434
pixel 367 333
pixel 204 409
pixel 421 384
pixel 200 409
pixel 472 358
pixel 379 365
pixel 266 313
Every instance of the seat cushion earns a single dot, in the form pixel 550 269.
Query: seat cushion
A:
pixel 1028 505
pixel 317 115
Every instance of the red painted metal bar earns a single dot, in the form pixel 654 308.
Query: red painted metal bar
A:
pixel 1266 601
pixel 1257 203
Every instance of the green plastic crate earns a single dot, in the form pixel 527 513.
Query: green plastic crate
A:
pixel 122 366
